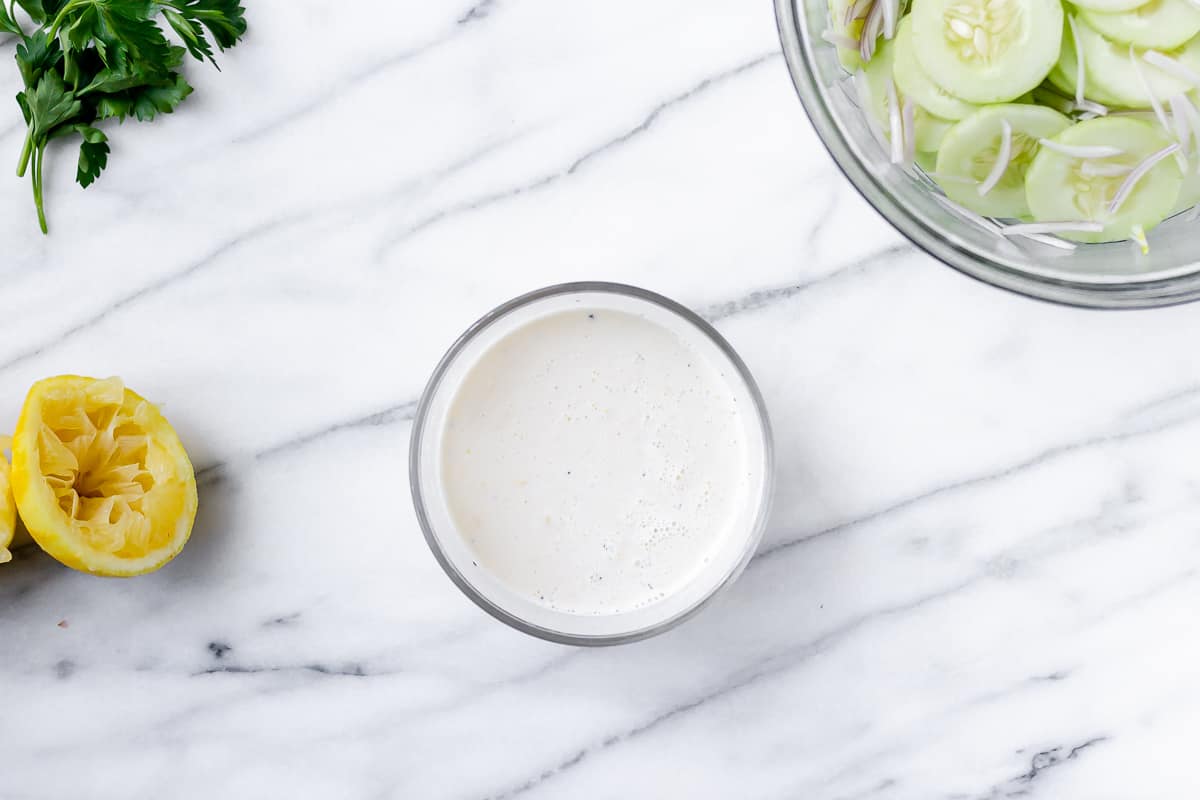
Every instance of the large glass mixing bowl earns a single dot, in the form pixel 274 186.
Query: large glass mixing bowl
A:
pixel 1098 276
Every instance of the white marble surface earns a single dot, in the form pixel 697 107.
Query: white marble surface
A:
pixel 983 575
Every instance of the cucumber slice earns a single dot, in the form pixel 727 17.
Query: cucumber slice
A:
pixel 987 51
pixel 1059 78
pixel 1063 76
pixel 1108 5
pixel 1161 24
pixel 971 148
pixel 927 161
pixel 875 77
pixel 1189 193
pixel 914 83
pixel 1060 190
pixel 929 129
pixel 1109 71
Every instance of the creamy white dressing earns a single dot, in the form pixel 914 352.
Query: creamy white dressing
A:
pixel 595 463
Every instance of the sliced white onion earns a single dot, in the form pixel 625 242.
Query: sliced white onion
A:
pixel 1193 119
pixel 1026 228
pixel 1182 128
pixel 1082 150
pixel 908 117
pixel 1138 173
pixel 1003 157
pixel 1053 241
pixel 855 10
pixel 1171 67
pixel 896 121
pixel 1093 169
pixel 942 178
pixel 1079 70
pixel 891 9
pixel 870 32
pixel 1154 104
pixel 1091 107
pixel 839 40
pixel 968 214
pixel 1084 117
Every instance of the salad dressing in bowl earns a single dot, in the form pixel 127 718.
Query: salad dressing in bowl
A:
pixel 591 463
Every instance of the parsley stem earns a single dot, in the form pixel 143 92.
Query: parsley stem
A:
pixel 61 17
pixel 37 192
pixel 26 151
pixel 36 182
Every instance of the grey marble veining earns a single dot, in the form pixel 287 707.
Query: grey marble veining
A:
pixel 982 575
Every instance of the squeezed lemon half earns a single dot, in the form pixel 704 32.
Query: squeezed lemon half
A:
pixel 8 509
pixel 100 477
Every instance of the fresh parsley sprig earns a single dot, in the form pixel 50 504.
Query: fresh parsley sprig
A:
pixel 92 60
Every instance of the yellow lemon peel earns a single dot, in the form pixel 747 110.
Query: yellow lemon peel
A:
pixel 8 509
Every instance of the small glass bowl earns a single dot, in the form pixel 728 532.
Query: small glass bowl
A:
pixel 455 555
pixel 1097 276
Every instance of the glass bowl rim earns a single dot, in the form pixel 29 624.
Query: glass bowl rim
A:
pixel 435 384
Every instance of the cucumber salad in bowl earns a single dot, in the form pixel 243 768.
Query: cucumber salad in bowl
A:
pixel 1039 119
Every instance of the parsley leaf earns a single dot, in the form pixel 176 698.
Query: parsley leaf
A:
pixel 41 11
pixel 35 55
pixel 120 30
pixel 7 23
pixel 192 34
pixel 93 155
pixel 150 101
pixel 114 106
pixel 23 102
pixel 145 102
pixel 126 76
pixel 225 19
pixel 51 105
